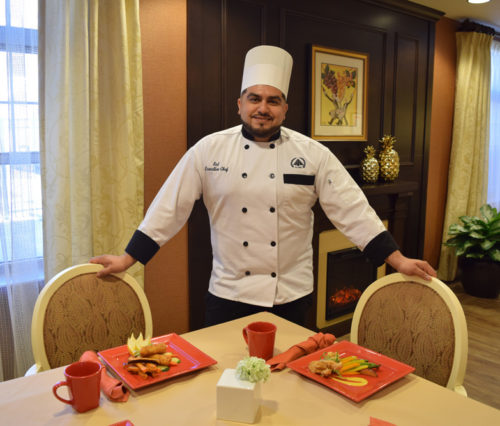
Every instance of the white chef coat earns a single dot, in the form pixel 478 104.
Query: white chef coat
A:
pixel 259 197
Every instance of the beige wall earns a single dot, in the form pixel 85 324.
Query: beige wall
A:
pixel 163 28
pixel 443 98
pixel 163 32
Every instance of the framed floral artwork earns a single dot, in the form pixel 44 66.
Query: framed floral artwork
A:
pixel 338 95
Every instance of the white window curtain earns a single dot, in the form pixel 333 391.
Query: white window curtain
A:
pixel 468 171
pixel 494 160
pixel 21 244
pixel 91 120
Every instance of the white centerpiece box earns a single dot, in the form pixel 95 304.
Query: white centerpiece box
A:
pixel 237 400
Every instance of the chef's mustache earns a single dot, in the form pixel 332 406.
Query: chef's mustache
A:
pixel 261 116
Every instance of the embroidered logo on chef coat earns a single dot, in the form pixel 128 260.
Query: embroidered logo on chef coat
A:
pixel 216 167
pixel 298 163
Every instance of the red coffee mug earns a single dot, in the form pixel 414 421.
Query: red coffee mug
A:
pixel 260 339
pixel 83 379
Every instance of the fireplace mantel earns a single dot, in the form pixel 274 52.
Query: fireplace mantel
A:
pixel 397 187
pixel 390 201
pixel 396 211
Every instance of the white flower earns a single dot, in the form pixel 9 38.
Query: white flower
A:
pixel 253 369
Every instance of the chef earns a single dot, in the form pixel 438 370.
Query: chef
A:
pixel 259 182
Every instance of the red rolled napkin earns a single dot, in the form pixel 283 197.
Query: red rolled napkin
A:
pixel 111 387
pixel 378 422
pixel 313 343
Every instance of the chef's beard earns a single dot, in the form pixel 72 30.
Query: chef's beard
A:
pixel 260 132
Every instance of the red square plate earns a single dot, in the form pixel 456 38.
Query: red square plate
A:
pixel 191 359
pixel 389 371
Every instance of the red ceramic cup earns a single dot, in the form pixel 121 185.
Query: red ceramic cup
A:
pixel 83 379
pixel 260 339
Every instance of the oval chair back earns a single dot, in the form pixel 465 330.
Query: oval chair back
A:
pixel 76 312
pixel 418 322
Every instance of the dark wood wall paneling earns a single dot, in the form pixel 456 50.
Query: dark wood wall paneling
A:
pixel 399 39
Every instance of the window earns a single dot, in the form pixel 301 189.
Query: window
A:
pixel 494 152
pixel 21 243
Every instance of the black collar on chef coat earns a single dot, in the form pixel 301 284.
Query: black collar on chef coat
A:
pixel 249 136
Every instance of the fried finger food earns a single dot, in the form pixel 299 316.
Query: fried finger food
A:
pixel 162 359
pixel 324 367
pixel 151 360
pixel 154 348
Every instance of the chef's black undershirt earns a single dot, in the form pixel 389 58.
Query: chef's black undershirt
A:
pixel 250 137
pixel 380 247
pixel 141 247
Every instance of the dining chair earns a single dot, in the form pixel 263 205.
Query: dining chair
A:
pixel 76 311
pixel 418 322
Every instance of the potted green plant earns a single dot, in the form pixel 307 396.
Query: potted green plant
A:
pixel 477 244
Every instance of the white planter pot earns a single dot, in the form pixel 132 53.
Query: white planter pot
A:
pixel 237 400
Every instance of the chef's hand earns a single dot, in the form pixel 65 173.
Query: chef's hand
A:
pixel 408 266
pixel 112 263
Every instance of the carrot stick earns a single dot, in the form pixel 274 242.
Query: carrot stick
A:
pixel 349 366
pixel 347 359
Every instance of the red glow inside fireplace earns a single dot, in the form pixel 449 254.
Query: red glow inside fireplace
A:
pixel 349 272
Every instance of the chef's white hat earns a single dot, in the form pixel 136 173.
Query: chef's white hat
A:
pixel 268 65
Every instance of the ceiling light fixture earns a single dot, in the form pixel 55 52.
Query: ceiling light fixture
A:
pixel 478 1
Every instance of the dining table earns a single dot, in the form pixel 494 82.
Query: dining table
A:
pixel 287 397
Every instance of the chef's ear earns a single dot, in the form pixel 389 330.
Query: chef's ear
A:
pixel 239 106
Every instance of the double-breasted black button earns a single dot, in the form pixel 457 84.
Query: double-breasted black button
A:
pixel 273 274
pixel 244 175
pixel 244 209
pixel 273 243
pixel 272 175
pixel 272 209
pixel 271 146
pixel 245 243
pixel 247 146
pixel 247 272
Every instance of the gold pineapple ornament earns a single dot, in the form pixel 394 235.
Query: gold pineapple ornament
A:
pixel 369 165
pixel 388 159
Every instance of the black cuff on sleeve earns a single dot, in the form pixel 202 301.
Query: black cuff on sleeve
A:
pixel 141 247
pixel 380 247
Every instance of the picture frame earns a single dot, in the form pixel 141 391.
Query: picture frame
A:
pixel 338 94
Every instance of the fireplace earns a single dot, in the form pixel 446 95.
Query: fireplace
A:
pixel 343 274
pixel 348 274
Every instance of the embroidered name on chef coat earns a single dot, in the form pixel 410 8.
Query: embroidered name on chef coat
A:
pixel 216 167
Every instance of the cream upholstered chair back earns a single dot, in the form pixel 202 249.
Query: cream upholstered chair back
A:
pixel 418 322
pixel 76 311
